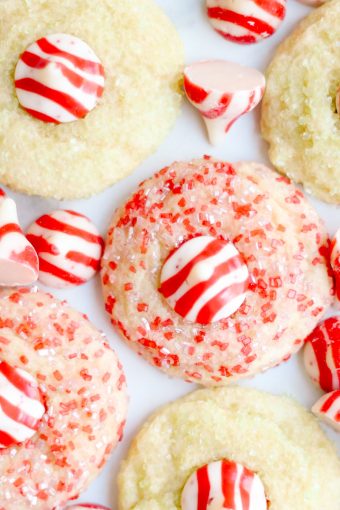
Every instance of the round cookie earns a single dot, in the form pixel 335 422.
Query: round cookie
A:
pixel 299 117
pixel 84 392
pixel 142 57
pixel 270 435
pixel 273 227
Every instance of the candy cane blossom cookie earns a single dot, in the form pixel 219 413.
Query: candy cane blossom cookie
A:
pixel 86 94
pixel 63 401
pixel 215 271
pixel 230 448
pixel 300 120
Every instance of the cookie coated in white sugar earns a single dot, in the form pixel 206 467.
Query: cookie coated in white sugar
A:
pixel 272 437
pixel 299 119
pixel 75 152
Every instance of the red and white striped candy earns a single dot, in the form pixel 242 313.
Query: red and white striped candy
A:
pixel 327 409
pixel 246 21
pixel 69 248
pixel 21 405
pixel 18 260
pixel 205 280
pixel 335 261
pixel 322 354
pixel 59 79
pixel 222 91
pixel 224 485
pixel 86 506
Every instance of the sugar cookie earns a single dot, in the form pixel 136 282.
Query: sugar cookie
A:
pixel 269 436
pixel 72 371
pixel 142 58
pixel 203 323
pixel 299 117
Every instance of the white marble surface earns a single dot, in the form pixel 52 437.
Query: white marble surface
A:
pixel 148 388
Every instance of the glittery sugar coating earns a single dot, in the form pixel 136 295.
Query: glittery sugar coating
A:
pixel 280 236
pixel 273 436
pixel 84 391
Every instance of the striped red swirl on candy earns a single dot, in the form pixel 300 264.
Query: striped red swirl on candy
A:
pixel 224 485
pixel 59 79
pixel 246 21
pixel 222 91
pixel 21 405
pixel 18 260
pixel 335 263
pixel 322 354
pixel 327 408
pixel 69 248
pixel 205 279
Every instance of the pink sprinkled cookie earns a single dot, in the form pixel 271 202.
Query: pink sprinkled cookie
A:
pixel 219 311
pixel 63 401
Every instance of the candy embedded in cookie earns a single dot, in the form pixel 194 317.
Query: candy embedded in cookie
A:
pixel 327 408
pixel 322 354
pixel 65 429
pixel 19 263
pixel 269 441
pixel 260 216
pixel 335 263
pixel 142 56
pixel 224 485
pixel 69 248
pixel 21 405
pixel 59 79
pixel 246 21
pixel 205 280
pixel 222 91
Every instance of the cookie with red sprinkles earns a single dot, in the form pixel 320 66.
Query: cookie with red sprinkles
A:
pixel 209 311
pixel 63 401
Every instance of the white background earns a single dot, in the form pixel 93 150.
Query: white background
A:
pixel 148 388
